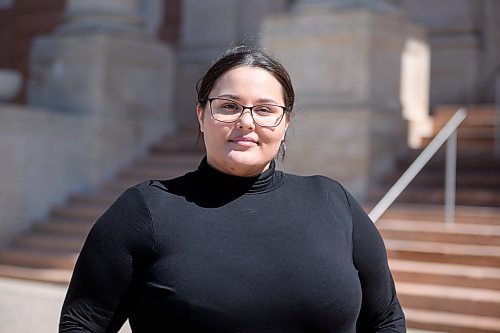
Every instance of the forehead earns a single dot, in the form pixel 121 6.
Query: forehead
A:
pixel 249 82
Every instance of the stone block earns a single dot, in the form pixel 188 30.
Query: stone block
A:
pixel 346 144
pixel 47 155
pixel 209 22
pixel 331 143
pixel 443 16
pixel 118 77
pixel 41 161
pixel 346 66
pixel 454 69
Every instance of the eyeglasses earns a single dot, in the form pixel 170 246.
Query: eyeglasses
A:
pixel 229 111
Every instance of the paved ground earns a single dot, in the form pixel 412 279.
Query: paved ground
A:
pixel 34 307
pixel 31 307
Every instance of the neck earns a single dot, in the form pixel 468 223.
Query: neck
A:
pixel 248 171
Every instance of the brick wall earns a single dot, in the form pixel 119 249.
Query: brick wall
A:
pixel 169 31
pixel 27 19
pixel 19 24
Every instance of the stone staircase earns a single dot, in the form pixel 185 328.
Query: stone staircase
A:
pixel 478 172
pixel 48 251
pixel 448 277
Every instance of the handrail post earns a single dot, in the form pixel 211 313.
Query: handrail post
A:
pixel 444 134
pixel 450 183
pixel 497 119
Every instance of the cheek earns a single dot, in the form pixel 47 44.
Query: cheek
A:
pixel 272 137
pixel 215 133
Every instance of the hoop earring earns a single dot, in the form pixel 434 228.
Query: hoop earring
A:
pixel 282 150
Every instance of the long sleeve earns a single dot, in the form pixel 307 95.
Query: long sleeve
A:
pixel 118 245
pixel 380 308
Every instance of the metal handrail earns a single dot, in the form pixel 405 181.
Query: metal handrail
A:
pixel 447 133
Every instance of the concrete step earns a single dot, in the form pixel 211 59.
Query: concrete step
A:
pixel 479 115
pixel 174 158
pixel 79 211
pixel 464 254
pixel 144 173
pixel 450 322
pixel 50 241
pixel 76 228
pixel 435 213
pixel 462 300
pixel 99 198
pixel 405 229
pixel 481 159
pixel 463 196
pixel 51 275
pixel 476 162
pixel 479 131
pixel 118 185
pixel 445 274
pixel 470 144
pixel 38 259
pixel 464 180
pixel 179 144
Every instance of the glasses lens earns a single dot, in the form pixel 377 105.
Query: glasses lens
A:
pixel 267 115
pixel 225 110
pixel 228 111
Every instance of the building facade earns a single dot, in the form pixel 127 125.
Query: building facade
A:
pixel 103 79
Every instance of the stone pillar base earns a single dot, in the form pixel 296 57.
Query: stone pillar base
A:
pixel 121 87
pixel 348 145
pixel 346 66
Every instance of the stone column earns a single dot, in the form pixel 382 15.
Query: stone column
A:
pixel 101 15
pixel 345 60
pixel 102 65
pixel 208 29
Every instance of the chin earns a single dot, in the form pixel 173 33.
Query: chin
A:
pixel 246 161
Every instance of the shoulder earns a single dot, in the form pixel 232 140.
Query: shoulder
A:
pixel 316 181
pixel 156 187
pixel 154 193
pixel 318 185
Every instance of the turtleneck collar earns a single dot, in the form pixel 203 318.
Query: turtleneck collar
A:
pixel 267 181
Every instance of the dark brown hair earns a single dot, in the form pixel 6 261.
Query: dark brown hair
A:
pixel 244 55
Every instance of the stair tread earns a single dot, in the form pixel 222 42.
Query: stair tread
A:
pixel 41 258
pixel 448 292
pixel 447 248
pixel 444 269
pixel 157 159
pixel 433 212
pixel 52 275
pixel 468 211
pixel 452 319
pixel 488 230
pixel 51 241
pixel 98 197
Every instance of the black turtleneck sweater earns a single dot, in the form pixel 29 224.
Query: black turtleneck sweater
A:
pixel 210 252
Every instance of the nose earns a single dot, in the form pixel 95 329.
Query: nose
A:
pixel 246 120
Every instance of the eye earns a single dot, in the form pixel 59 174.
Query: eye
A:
pixel 264 109
pixel 230 106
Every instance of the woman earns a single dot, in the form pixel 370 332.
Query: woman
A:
pixel 235 246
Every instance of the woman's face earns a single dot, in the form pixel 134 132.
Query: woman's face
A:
pixel 243 148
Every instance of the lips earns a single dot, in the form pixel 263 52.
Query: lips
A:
pixel 244 141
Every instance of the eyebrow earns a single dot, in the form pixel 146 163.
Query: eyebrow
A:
pixel 237 98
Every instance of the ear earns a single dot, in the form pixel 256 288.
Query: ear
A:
pixel 199 115
pixel 287 122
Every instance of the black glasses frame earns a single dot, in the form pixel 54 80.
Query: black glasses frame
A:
pixel 243 110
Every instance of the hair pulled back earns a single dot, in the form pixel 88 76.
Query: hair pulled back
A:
pixel 249 56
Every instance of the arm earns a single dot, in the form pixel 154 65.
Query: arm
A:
pixel 119 244
pixel 380 308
